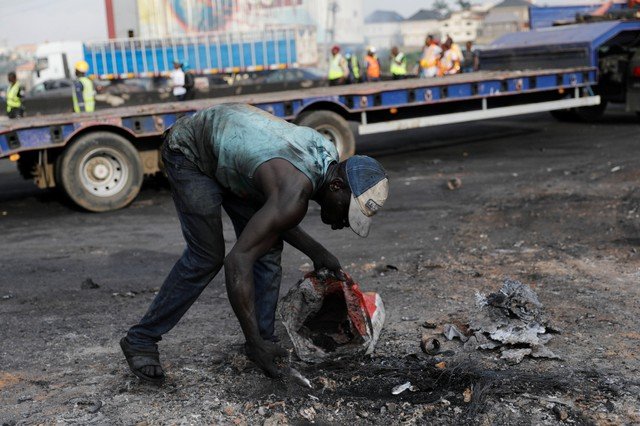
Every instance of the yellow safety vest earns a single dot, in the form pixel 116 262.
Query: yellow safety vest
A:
pixel 399 68
pixel 13 98
pixel 355 67
pixel 88 102
pixel 335 68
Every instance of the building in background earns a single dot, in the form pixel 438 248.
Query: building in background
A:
pixel 415 28
pixel 462 26
pixel 336 21
pixel 382 29
pixel 506 17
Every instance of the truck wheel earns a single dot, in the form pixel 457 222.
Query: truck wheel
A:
pixel 101 171
pixel 333 127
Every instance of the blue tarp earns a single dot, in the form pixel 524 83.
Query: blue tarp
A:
pixel 563 46
pixel 592 35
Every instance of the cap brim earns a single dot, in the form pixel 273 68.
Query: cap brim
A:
pixel 358 221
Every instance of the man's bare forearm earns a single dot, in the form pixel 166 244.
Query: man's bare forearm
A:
pixel 241 292
pixel 302 241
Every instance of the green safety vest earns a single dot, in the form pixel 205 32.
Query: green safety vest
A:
pixel 13 98
pixel 355 67
pixel 335 68
pixel 87 103
pixel 401 68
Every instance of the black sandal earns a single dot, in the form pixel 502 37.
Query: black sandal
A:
pixel 138 358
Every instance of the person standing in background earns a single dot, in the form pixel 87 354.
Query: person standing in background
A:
pixel 372 65
pixel 189 82
pixel 354 67
pixel 470 58
pixel 177 81
pixel 398 67
pixel 449 62
pixel 338 68
pixel 15 93
pixel 83 92
pixel 430 55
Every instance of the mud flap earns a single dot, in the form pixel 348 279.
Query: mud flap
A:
pixel 327 318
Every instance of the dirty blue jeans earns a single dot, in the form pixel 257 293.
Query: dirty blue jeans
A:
pixel 198 199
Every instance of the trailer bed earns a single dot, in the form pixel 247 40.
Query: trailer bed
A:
pixel 153 119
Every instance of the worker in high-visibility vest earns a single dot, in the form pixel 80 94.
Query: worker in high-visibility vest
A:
pixel 372 65
pixel 430 55
pixel 398 67
pixel 338 68
pixel 449 62
pixel 15 93
pixel 354 67
pixel 83 91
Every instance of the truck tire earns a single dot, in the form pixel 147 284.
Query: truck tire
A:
pixel 101 171
pixel 333 127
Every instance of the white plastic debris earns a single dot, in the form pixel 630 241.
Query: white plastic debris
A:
pixel 397 390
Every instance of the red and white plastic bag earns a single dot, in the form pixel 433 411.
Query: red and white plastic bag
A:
pixel 327 318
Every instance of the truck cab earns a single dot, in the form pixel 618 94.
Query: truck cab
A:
pixel 55 60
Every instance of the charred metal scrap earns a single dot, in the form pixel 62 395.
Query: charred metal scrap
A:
pixel 512 320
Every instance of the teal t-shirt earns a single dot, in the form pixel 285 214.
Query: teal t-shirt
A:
pixel 228 142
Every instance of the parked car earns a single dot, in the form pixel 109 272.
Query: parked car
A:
pixel 51 88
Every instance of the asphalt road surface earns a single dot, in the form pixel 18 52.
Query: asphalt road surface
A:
pixel 554 205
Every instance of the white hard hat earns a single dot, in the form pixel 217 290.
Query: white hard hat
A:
pixel 371 49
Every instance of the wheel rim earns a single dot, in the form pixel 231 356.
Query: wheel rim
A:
pixel 332 134
pixel 103 172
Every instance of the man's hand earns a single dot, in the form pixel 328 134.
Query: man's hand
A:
pixel 328 261
pixel 264 355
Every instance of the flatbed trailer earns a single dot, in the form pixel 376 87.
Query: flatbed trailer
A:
pixel 100 159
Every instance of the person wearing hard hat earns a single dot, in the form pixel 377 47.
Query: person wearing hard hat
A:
pixel 354 67
pixel 83 91
pixel 372 65
pixel 338 68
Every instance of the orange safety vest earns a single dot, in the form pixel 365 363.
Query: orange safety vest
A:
pixel 373 67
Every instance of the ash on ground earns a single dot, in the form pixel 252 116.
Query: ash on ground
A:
pixel 512 321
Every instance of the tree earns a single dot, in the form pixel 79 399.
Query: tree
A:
pixel 441 6
pixel 464 4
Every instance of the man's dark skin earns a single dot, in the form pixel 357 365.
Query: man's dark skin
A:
pixel 287 192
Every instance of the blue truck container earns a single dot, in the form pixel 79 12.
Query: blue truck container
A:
pixel 206 53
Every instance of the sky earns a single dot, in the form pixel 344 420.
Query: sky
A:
pixel 37 21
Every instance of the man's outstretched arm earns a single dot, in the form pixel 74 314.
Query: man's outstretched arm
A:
pixel 320 256
pixel 281 212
